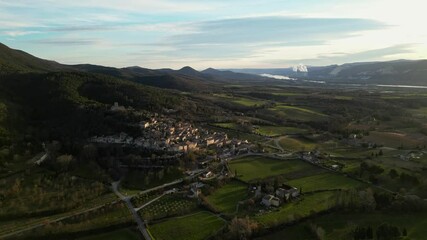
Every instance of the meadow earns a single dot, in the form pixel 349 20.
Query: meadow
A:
pixel 325 181
pixel 257 167
pixel 308 205
pixel 225 199
pixel 120 234
pixel 272 131
pixel 196 226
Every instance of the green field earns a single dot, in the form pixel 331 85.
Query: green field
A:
pixel 393 139
pixel 299 231
pixel 289 212
pixel 299 113
pixel 228 125
pixel 121 234
pixel 197 226
pixel 256 167
pixel 325 181
pixel 278 130
pixel 293 144
pixel 247 102
pixel 226 198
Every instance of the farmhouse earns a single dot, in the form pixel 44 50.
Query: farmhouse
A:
pixel 287 192
pixel 270 200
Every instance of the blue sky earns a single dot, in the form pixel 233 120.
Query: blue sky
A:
pixel 220 34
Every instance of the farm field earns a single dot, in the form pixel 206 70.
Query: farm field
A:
pixel 226 198
pixel 121 234
pixel 336 224
pixel 256 167
pixel 196 226
pixel 247 102
pixel 294 144
pixel 325 181
pixel 394 140
pixel 292 232
pixel 278 130
pixel 168 206
pixel 289 212
pixel 299 113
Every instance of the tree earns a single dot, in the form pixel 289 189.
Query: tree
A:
pixel 393 173
pixel 276 183
pixel 242 228
pixel 404 232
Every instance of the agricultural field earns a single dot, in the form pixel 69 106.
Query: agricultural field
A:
pixel 256 167
pixel 309 204
pixel 325 181
pixel 339 226
pixel 121 234
pixel 225 199
pixel 299 113
pixel 395 139
pixel 243 101
pixel 272 131
pixel 196 226
pixel 295 144
pixel 168 206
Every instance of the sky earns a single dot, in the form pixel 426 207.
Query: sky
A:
pixel 215 33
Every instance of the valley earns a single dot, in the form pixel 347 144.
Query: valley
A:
pixel 90 152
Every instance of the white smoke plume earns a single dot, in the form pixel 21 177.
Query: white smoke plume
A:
pixel 300 68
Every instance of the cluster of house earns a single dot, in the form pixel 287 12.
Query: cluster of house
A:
pixel 161 133
pixel 282 194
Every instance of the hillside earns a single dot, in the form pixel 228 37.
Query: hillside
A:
pixel 13 61
pixel 394 72
pixel 47 100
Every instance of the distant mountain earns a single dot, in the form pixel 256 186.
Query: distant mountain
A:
pixel 12 61
pixel 394 72
pixel 236 77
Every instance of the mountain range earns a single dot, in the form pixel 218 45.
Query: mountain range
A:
pixel 403 72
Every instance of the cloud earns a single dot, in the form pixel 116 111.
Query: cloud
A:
pixel 285 30
pixel 123 5
pixel 68 42
pixel 338 58
pixel 19 33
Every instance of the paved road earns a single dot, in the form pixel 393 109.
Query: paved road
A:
pixel 136 217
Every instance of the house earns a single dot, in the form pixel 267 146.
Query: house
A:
pixel 117 107
pixel 270 200
pixel 287 192
pixel 195 189
pixel 210 141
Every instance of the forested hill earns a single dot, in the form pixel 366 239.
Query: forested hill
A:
pixel 44 100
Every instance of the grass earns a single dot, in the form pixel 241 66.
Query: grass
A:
pixel 255 167
pixel 299 113
pixel 336 225
pixel 227 125
pixel 278 130
pixel 294 144
pixel 121 234
pixel 392 139
pixel 226 198
pixel 247 102
pixel 309 205
pixel 200 225
pixel 299 231
pixel 325 181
